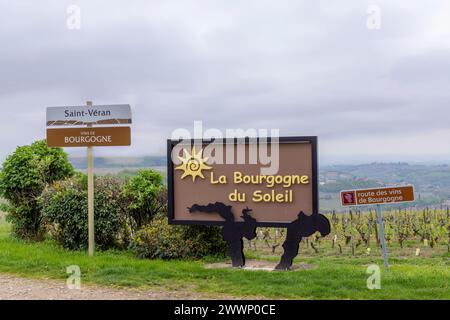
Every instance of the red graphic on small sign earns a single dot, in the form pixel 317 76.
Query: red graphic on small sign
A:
pixel 348 198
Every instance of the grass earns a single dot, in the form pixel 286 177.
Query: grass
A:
pixel 337 277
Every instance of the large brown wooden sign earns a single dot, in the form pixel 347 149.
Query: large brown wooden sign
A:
pixel 274 200
pixel 89 137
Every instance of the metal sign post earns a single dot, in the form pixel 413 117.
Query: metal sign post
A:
pixel 378 197
pixel 87 129
pixel 383 242
pixel 90 173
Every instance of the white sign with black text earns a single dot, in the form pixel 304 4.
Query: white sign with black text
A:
pixel 82 115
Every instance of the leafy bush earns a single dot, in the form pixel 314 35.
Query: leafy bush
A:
pixel 146 210
pixel 159 240
pixel 65 208
pixel 145 196
pixel 24 176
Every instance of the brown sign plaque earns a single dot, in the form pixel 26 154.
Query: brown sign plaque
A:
pixel 376 196
pixel 89 137
pixel 275 199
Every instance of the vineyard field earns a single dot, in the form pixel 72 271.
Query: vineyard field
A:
pixel 408 233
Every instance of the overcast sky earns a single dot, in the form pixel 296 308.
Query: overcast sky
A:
pixel 305 67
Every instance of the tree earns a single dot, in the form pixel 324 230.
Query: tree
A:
pixel 146 197
pixel 24 175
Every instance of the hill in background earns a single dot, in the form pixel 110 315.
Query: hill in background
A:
pixel 432 182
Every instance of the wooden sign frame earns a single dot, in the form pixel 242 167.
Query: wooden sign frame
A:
pixel 312 140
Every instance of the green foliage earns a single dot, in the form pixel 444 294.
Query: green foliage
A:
pixel 208 240
pixel 120 209
pixel 146 207
pixel 145 196
pixel 24 176
pixel 159 240
pixel 65 208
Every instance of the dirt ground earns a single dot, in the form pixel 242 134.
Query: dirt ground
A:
pixel 15 288
pixel 260 265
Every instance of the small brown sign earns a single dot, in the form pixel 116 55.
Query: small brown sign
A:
pixel 364 197
pixel 89 137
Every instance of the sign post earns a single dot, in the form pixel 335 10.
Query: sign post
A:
pixel 378 196
pixel 116 134
pixel 383 243
pixel 90 173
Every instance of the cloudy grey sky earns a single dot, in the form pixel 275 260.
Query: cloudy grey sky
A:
pixel 305 67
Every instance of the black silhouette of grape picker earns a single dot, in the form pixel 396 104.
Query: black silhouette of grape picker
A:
pixel 232 231
pixel 303 226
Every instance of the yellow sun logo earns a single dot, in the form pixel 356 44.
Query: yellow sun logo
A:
pixel 193 164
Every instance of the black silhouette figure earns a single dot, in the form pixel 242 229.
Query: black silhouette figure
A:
pixel 232 231
pixel 304 226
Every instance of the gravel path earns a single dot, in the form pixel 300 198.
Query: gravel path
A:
pixel 15 288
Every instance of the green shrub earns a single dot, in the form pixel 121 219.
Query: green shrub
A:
pixel 159 240
pixel 65 208
pixel 24 176
pixel 208 240
pixel 145 196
